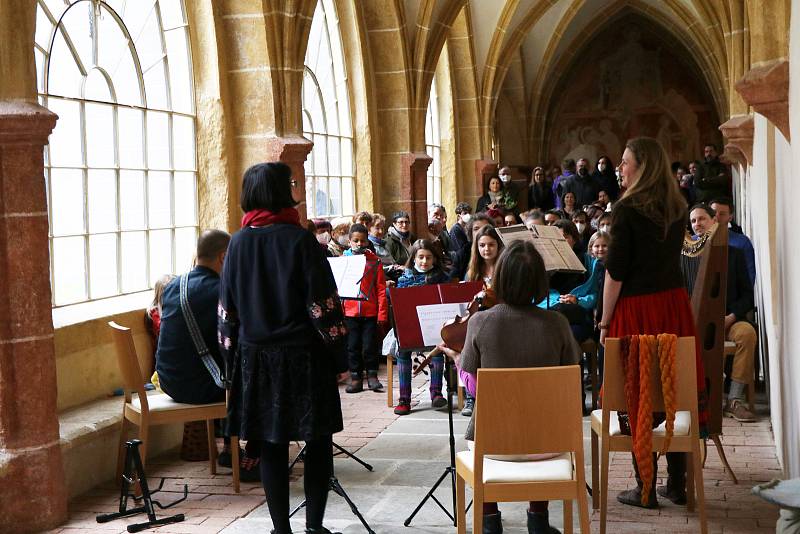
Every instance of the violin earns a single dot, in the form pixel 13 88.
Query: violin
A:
pixel 454 331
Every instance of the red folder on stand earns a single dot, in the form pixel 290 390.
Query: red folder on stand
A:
pixel 404 307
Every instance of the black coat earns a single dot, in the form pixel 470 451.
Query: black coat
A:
pixel 541 196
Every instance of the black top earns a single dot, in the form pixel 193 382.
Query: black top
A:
pixel 639 256
pixel 181 372
pixel 277 288
pixel 458 237
pixel 540 195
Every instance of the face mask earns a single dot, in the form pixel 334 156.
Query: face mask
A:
pixel 581 227
pixel 466 217
pixel 605 228
pixel 343 240
pixel 505 178
pixel 324 238
pixel 425 270
pixel 357 250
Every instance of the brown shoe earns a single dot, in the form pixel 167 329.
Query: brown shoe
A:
pixel 356 384
pixel 737 410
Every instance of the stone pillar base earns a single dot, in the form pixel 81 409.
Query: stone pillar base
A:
pixel 293 151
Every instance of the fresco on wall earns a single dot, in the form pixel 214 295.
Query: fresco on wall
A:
pixel 631 81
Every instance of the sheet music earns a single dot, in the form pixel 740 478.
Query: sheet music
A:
pixel 348 272
pixel 547 250
pixel 571 261
pixel 432 317
pixel 548 232
pixel 517 232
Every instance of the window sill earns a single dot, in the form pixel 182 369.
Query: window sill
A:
pixel 87 311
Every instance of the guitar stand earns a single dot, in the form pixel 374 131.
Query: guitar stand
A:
pixel 302 454
pixel 133 473
pixel 450 470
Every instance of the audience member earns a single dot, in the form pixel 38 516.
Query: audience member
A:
pixel 569 204
pixel 739 303
pixel 714 180
pixel 363 218
pixel 377 233
pixel 604 222
pixel 541 339
pixel 540 193
pixel 534 217
pixel 152 315
pixel 340 238
pixel 493 197
pixel 400 238
pixel 509 219
pixel 605 178
pixel 552 216
pixel 323 230
pixel 581 221
pixel 462 257
pixel 604 199
pixel 581 184
pixel 438 212
pixel 723 207
pixel 569 171
pixel 366 316
pixel 458 234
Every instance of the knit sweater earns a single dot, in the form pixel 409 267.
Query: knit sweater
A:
pixel 541 339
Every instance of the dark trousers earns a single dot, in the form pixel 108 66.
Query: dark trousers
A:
pixel 362 344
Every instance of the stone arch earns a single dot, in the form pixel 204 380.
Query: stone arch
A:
pixel 553 70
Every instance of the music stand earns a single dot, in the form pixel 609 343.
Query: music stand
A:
pixel 451 468
pixel 335 486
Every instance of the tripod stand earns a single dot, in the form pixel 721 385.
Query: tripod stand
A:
pixel 452 384
pixel 335 486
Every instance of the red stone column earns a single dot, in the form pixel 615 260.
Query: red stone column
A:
pixel 33 495
pixel 414 190
pixel 293 151
pixel 484 169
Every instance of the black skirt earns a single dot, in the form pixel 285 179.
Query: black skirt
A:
pixel 283 393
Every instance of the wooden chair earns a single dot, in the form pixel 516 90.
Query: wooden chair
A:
pixel 145 410
pixel 525 411
pixel 730 350
pixel 686 437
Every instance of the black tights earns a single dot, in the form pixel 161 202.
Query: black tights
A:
pixel 317 471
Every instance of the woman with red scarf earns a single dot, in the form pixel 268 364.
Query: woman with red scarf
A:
pixel 644 292
pixel 282 335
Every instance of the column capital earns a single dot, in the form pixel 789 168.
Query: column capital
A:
pixel 25 123
pixel 738 132
pixel 293 151
pixel 766 89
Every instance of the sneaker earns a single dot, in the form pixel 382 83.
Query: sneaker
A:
pixel 402 408
pixel 438 401
pixel 633 497
pixel 469 405
pixel 373 383
pixel 673 495
pixel 356 384
pixel 225 458
pixel 737 410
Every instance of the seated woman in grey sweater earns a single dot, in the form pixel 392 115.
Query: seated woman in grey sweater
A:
pixel 542 339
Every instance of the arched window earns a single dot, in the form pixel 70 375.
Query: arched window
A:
pixel 433 146
pixel 121 166
pixel 326 119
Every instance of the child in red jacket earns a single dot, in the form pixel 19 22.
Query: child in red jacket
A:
pixel 365 317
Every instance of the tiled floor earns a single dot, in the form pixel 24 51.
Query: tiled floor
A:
pixel 408 454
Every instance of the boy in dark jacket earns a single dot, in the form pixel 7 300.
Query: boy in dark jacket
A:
pixel 364 318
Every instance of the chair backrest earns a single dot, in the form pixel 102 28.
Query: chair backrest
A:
pixel 685 377
pixel 528 410
pixel 128 362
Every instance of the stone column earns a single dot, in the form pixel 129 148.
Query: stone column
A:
pixel 414 190
pixel 484 169
pixel 33 495
pixel 293 151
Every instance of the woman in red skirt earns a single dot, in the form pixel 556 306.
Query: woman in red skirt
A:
pixel 644 292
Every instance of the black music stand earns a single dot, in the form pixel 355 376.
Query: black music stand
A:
pixel 449 372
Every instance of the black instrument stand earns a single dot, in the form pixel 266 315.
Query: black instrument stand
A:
pixel 133 473
pixel 335 486
pixel 452 384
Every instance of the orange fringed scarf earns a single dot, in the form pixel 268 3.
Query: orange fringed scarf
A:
pixel 637 355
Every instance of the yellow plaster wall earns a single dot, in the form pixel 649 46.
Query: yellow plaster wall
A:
pixel 17 66
pixel 86 364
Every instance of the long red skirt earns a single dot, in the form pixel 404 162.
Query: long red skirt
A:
pixel 665 312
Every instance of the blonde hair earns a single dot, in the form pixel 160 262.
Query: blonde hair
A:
pixel 655 194
pixel 377 219
pixel 158 291
pixel 599 235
